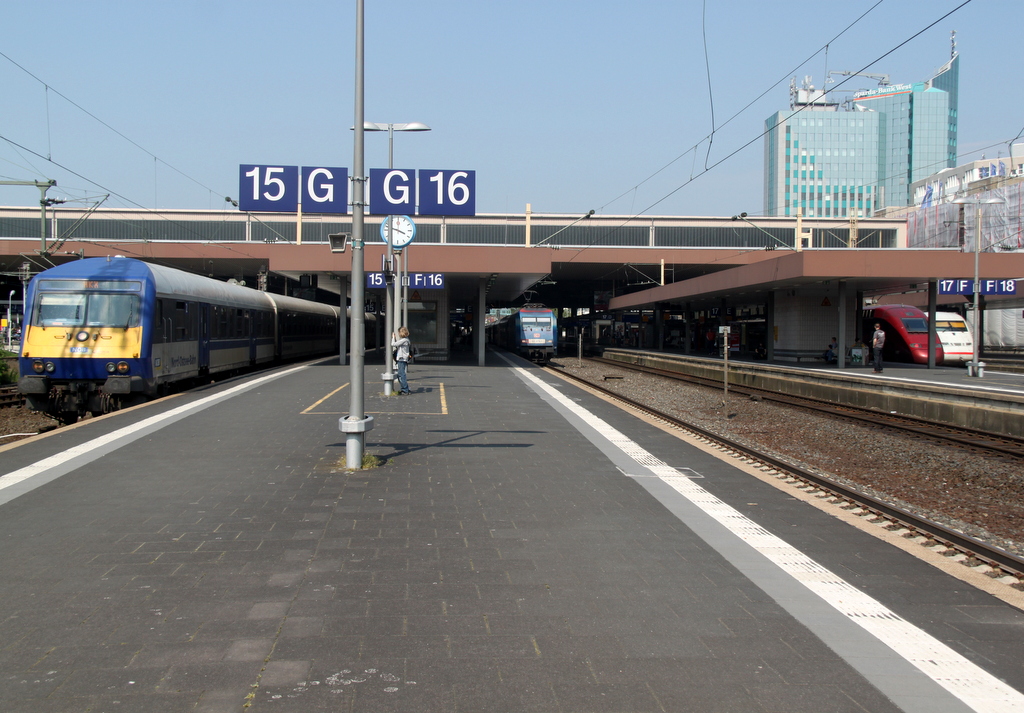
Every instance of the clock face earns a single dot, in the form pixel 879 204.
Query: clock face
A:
pixel 403 230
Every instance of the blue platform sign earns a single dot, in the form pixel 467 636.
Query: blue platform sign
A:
pixel 272 189
pixel 392 191
pixel 276 189
pixel 417 280
pixel 396 191
pixel 447 192
pixel 324 190
pixel 376 280
pixel 426 280
pixel 986 287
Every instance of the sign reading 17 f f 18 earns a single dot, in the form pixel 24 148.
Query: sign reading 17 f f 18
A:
pixel 277 189
pixel 985 287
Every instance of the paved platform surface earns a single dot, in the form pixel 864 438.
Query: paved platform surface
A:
pixel 525 546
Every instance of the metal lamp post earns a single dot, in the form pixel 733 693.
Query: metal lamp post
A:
pixel 389 307
pixel 10 319
pixel 975 364
pixel 357 423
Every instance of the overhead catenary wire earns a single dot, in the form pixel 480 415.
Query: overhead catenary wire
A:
pixel 185 226
pixel 762 134
pixel 707 70
pixel 88 113
pixel 749 104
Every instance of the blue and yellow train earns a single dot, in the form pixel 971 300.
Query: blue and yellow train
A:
pixel 104 333
pixel 531 332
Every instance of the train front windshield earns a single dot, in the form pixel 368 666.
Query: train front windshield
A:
pixel 89 309
pixel 536 322
pixel 915 325
pixel 948 325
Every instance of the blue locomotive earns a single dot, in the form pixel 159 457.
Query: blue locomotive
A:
pixel 532 333
pixel 104 333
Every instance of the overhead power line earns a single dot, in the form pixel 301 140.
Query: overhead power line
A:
pixel 102 122
pixel 762 134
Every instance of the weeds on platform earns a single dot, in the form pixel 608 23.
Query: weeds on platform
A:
pixel 369 461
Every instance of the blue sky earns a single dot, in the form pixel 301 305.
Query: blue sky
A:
pixel 566 105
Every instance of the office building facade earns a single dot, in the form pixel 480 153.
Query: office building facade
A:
pixel 859 157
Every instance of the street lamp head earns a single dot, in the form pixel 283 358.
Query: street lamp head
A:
pixel 411 126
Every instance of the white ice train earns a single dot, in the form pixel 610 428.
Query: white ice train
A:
pixel 957 342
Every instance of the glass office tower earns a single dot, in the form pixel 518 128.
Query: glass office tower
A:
pixel 859 157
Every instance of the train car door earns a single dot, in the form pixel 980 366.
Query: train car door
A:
pixel 204 337
pixel 252 332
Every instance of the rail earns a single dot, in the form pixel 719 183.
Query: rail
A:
pixel 984 442
pixel 980 551
pixel 9 396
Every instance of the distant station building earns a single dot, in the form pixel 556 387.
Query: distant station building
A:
pixel 970 178
pixel 859 156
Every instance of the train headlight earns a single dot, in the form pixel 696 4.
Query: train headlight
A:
pixel 122 367
pixel 50 367
pixel 111 367
pixel 37 367
pixel 82 336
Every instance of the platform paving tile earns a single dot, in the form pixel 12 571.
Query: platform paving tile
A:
pixel 780 698
pixel 215 630
pixel 481 568
pixel 322 650
pixel 164 702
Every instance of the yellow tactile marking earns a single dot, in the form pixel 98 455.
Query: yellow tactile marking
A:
pixel 443 412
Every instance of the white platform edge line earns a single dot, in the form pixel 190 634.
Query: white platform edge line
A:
pixel 971 684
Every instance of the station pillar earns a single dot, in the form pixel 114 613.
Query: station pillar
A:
pixel 841 356
pixel 478 322
pixel 687 329
pixel 933 295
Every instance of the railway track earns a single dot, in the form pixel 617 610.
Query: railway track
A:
pixel 976 551
pixel 9 396
pixel 981 442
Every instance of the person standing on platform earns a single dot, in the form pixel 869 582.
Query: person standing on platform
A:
pixel 877 342
pixel 401 346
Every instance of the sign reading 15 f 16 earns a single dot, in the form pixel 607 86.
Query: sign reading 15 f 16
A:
pixel 416 280
pixel 985 287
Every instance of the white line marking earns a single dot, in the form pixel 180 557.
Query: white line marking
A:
pixel 40 467
pixel 974 686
